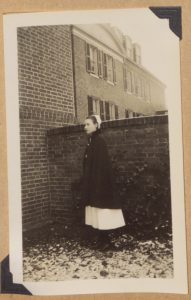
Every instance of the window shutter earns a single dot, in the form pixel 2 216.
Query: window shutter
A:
pixel 134 54
pixel 136 86
pixel 142 88
pixel 126 113
pixel 139 87
pixel 90 105
pixel 107 114
pixel 114 72
pixel 105 66
pixel 102 115
pixel 144 91
pixel 88 62
pixel 125 77
pixel 116 112
pixel 148 92
pixel 132 83
pixel 100 63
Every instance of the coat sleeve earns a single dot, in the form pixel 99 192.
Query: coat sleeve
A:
pixel 102 171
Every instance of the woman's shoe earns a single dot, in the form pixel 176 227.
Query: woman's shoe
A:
pixel 105 247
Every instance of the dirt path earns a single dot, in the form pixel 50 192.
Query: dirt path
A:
pixel 61 258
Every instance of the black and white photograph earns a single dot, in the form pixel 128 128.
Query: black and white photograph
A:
pixel 95 163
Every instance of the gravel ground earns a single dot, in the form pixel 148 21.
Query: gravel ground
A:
pixel 50 255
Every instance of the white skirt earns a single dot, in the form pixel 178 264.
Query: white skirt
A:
pixel 104 218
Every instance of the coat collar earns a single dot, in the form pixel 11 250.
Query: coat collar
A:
pixel 93 135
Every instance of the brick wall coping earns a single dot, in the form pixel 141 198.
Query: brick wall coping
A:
pixel 159 119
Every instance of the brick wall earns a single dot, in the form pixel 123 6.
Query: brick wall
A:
pixel 139 152
pixel 46 101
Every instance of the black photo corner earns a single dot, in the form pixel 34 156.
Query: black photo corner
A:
pixel 7 285
pixel 173 14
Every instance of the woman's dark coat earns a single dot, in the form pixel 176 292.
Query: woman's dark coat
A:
pixel 97 175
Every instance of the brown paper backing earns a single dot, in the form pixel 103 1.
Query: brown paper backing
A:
pixel 17 6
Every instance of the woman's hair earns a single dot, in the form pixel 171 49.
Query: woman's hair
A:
pixel 94 120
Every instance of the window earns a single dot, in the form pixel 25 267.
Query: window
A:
pixel 112 111
pixel 96 107
pixel 116 112
pixel 102 111
pixel 132 82
pixel 147 92
pixel 138 87
pixel 104 66
pixel 90 105
pixel 129 87
pixel 93 105
pixel 128 113
pixel 135 115
pixel 93 60
pixel 106 109
pixel 137 54
pixel 134 54
pixel 110 68
pixel 125 77
pixel 100 64
pixel 127 44
pixel 128 80
pixel 143 89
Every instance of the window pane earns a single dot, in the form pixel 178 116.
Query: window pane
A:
pixel 139 87
pixel 96 108
pixel 112 111
pixel 114 72
pixel 126 113
pixel 102 115
pixel 90 105
pixel 125 76
pixel 93 60
pixel 130 114
pixel 116 112
pixel 109 68
pixel 107 111
pixel 100 65
pixel 129 87
pixel 104 66
pixel 88 67
pixel 132 82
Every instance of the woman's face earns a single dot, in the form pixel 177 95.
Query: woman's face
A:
pixel 89 126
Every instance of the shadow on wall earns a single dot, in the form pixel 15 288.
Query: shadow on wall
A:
pixel 145 198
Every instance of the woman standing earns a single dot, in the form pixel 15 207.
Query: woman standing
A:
pixel 102 210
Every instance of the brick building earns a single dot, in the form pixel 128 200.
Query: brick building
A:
pixel 45 101
pixel 109 78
